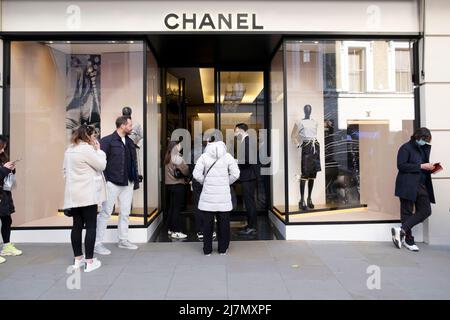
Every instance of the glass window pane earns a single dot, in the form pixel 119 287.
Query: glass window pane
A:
pixel 277 133
pixel 55 87
pixel 343 144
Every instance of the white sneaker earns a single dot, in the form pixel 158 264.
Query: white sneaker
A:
pixel 412 247
pixel 77 264
pixel 396 237
pixel 178 235
pixel 2 260
pixel 101 249
pixel 169 232
pixel 125 244
pixel 95 264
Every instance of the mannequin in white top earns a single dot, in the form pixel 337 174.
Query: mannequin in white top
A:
pixel 136 135
pixel 304 135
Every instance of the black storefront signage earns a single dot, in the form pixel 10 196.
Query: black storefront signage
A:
pixel 220 21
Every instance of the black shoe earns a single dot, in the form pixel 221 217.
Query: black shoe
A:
pixel 310 204
pixel 302 205
pixel 247 231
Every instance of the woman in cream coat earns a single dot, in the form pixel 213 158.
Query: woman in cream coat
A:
pixel 85 189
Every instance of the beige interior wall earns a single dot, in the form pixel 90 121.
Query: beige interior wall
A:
pixel 122 85
pixel 378 149
pixel 37 131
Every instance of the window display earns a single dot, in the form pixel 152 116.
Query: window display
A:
pixel 57 86
pixel 305 137
pixel 346 115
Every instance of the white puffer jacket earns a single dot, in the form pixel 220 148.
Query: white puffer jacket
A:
pixel 83 172
pixel 216 196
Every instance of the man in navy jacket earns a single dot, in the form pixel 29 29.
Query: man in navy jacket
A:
pixel 413 186
pixel 122 178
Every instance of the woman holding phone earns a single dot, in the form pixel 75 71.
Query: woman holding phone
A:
pixel 85 189
pixel 6 203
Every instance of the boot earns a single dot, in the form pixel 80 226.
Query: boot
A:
pixel 302 204
pixel 310 204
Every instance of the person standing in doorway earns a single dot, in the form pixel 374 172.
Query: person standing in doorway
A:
pixel 216 170
pixel 176 171
pixel 248 178
pixel 85 189
pixel 413 186
pixel 122 178
pixel 6 203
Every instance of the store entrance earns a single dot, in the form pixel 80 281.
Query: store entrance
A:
pixel 203 99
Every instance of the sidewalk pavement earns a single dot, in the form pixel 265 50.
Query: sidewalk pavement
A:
pixel 255 270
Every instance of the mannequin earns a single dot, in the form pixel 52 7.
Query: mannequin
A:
pixel 304 135
pixel 136 135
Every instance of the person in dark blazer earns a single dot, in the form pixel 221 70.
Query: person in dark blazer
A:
pixel 413 186
pixel 248 177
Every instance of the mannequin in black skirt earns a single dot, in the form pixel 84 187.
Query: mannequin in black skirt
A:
pixel 305 136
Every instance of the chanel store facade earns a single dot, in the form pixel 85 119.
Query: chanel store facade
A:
pixel 329 90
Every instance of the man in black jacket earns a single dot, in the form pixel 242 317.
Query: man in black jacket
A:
pixel 413 186
pixel 122 178
pixel 247 178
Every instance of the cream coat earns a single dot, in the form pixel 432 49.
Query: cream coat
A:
pixel 216 195
pixel 83 172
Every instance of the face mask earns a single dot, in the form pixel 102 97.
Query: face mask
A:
pixel 421 142
pixel 237 133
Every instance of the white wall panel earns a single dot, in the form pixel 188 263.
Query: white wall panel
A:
pixel 138 15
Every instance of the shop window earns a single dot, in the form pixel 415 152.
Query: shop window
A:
pixel 341 145
pixel 55 87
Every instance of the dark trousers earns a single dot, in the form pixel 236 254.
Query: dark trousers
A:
pixel 198 215
pixel 223 230
pixel 422 212
pixel 248 194
pixel 6 228
pixel 84 217
pixel 175 194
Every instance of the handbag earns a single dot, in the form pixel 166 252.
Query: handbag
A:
pixel 9 182
pixel 178 174
pixel 233 197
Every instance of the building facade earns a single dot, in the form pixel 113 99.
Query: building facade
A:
pixel 371 72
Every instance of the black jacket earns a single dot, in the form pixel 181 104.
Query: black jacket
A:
pixel 247 170
pixel 409 159
pixel 6 200
pixel 116 160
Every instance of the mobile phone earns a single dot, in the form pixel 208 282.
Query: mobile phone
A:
pixel 15 161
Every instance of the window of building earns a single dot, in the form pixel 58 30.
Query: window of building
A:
pixel 403 70
pixel 356 70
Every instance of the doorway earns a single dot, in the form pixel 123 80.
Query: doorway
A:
pixel 199 99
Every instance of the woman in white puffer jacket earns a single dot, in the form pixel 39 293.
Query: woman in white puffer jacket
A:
pixel 216 170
